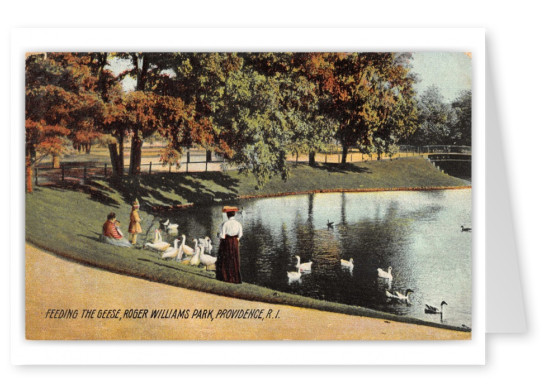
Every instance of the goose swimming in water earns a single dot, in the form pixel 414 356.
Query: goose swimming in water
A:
pixel 294 276
pixel 170 227
pixel 306 266
pixel 429 309
pixel 399 296
pixel 387 274
pixel 348 264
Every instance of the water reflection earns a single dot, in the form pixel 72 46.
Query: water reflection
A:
pixel 417 233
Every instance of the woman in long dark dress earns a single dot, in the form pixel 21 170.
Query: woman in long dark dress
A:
pixel 227 265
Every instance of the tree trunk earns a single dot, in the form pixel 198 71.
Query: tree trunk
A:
pixel 55 161
pixel 135 155
pixel 28 174
pixel 379 155
pixel 312 158
pixel 114 159
pixel 88 148
pixel 120 156
pixel 344 153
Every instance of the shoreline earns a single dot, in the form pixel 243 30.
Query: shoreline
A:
pixel 306 192
pixel 53 282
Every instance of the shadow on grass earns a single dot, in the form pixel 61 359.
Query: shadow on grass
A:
pixel 346 168
pixel 163 188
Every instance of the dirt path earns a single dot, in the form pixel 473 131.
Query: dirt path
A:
pixel 53 283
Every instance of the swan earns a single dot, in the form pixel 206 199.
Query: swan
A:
pixel 306 266
pixel 158 244
pixel 170 227
pixel 194 261
pixel 294 276
pixel 465 229
pixel 207 243
pixel 171 252
pixel 347 264
pixel 387 274
pixel 205 259
pixel 429 309
pixel 400 297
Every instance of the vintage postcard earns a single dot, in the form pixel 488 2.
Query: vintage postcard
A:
pixel 238 195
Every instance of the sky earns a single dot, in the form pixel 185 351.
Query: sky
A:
pixel 450 71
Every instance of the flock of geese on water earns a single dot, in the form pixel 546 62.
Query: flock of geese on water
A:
pixel 386 275
pixel 196 255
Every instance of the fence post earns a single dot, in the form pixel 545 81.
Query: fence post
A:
pixel 206 165
pixel 36 176
pixel 187 161
pixel 105 170
pixel 149 168
pixel 62 173
pixel 84 173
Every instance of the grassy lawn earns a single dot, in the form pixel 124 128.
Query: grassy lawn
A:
pixel 67 221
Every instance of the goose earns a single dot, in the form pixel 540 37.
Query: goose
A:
pixel 171 252
pixel 465 229
pixel 294 276
pixel 387 274
pixel 158 244
pixel 306 266
pixel 399 296
pixel 185 248
pixel 330 224
pixel 429 309
pixel 347 264
pixel 195 261
pixel 205 259
pixel 207 243
pixel 170 227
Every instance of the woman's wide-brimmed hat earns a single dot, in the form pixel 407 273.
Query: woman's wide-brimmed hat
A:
pixel 227 209
pixel 136 203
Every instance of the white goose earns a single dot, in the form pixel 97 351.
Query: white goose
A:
pixel 171 252
pixel 306 266
pixel 158 244
pixel 207 243
pixel 170 227
pixel 399 296
pixel 205 259
pixel 195 261
pixel 348 264
pixel 429 309
pixel 185 248
pixel 294 276
pixel 387 274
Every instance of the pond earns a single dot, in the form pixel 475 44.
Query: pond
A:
pixel 417 233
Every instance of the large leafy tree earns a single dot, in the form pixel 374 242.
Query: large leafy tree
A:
pixel 460 128
pixel 61 103
pixel 369 95
pixel 435 116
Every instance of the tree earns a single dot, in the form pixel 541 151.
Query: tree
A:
pixel 369 95
pixel 60 103
pixel 434 119
pixel 461 127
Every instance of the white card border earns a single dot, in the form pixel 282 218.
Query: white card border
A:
pixel 25 352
